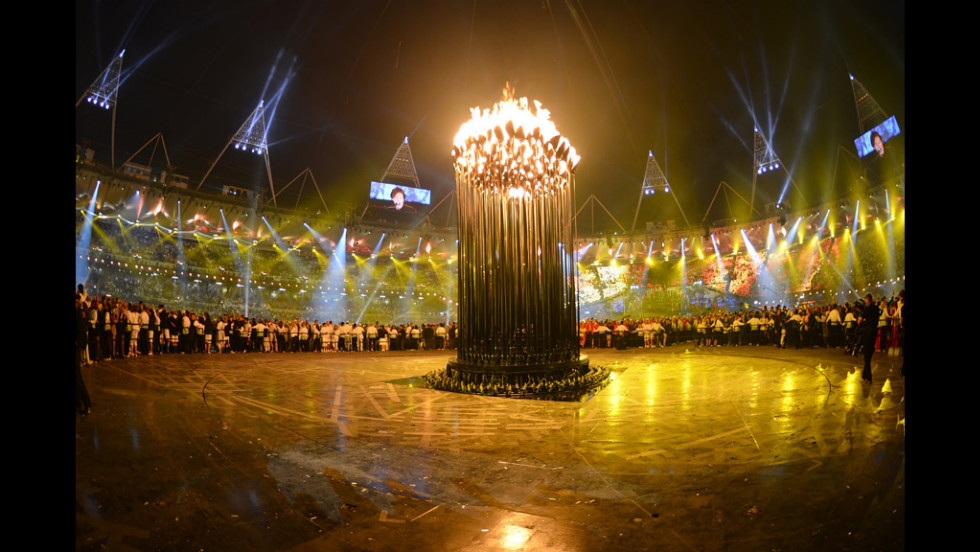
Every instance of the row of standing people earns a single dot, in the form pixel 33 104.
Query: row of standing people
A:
pixel 833 325
pixel 113 328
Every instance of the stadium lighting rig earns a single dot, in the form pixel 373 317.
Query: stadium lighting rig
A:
pixel 765 159
pixel 251 137
pixel 653 180
pixel 252 134
pixel 104 92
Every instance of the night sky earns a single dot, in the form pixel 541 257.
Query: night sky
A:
pixel 687 80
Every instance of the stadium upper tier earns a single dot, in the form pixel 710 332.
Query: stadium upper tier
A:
pixel 151 227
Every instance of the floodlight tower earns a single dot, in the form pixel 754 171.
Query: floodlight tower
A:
pixel 653 180
pixel 868 111
pixel 251 137
pixel 402 165
pixel 104 92
pixel 766 160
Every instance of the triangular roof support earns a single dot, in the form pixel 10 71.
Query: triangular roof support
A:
pixel 592 200
pixel 157 140
pixel 306 174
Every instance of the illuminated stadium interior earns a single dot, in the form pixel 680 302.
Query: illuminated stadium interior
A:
pixel 167 245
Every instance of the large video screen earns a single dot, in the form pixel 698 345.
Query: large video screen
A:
pixel 397 203
pixel 384 191
pixel 874 140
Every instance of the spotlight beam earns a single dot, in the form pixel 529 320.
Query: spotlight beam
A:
pixel 84 241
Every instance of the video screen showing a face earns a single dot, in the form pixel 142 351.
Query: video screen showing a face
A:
pixel 397 202
pixel 873 141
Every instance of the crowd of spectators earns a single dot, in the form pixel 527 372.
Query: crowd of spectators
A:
pixel 659 289
pixel 811 326
pixel 108 328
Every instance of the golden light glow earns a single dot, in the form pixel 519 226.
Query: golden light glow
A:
pixel 515 537
pixel 513 148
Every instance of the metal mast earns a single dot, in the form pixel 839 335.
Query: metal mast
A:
pixel 104 92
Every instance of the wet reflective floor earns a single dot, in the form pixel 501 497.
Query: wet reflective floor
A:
pixel 750 449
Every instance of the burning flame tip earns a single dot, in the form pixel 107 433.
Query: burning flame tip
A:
pixel 511 143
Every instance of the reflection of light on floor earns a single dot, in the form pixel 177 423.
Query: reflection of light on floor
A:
pixel 651 393
pixel 789 385
pixel 686 388
pixel 615 394
pixel 515 537
pixel 852 387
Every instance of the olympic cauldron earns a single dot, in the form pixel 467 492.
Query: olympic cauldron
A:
pixel 518 311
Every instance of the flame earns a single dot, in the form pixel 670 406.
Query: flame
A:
pixel 514 149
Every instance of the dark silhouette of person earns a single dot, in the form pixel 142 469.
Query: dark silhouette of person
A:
pixel 869 331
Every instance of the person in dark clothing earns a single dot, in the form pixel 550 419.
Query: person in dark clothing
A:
pixel 868 326
pixel 83 405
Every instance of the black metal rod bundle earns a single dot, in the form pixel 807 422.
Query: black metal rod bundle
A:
pixel 518 311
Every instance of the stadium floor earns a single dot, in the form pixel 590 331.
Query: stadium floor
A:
pixel 748 448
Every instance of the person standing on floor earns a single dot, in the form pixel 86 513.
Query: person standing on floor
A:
pixel 134 330
pixel 83 405
pixel 868 324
